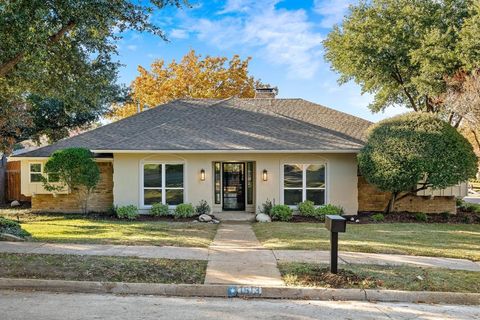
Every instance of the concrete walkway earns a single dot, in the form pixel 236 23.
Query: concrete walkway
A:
pixel 237 257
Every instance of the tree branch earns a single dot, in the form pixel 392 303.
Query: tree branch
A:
pixel 6 67
pixel 398 77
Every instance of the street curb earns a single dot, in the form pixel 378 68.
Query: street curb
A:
pixel 220 291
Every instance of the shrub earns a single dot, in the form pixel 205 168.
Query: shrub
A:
pixel 184 210
pixel 306 208
pixel 420 216
pixel 159 210
pixel 445 215
pixel 76 170
pixel 378 217
pixel 330 209
pixel 281 212
pixel 470 207
pixel 408 152
pixel 267 207
pixel 202 208
pixel 322 211
pixel 129 212
pixel 12 227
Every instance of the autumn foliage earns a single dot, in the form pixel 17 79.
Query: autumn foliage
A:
pixel 192 77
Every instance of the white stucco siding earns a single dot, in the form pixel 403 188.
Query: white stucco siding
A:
pixel 341 176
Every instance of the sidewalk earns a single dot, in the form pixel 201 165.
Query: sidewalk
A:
pixel 236 245
pixel 166 252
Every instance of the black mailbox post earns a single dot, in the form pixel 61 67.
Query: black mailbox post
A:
pixel 334 224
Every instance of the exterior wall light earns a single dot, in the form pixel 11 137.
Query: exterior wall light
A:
pixel 265 175
pixel 202 175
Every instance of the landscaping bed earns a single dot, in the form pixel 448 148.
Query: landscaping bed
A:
pixel 380 277
pixel 424 239
pixel 461 217
pixel 101 268
pixel 104 229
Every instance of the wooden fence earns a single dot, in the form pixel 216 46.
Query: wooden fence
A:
pixel 13 181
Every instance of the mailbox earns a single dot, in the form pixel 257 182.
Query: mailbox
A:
pixel 335 223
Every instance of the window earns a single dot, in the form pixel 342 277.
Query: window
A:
pixel 35 172
pixel 217 183
pixel 162 183
pixel 249 182
pixel 303 182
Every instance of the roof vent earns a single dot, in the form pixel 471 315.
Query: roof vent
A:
pixel 266 93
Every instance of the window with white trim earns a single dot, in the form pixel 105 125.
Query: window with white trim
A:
pixel 36 173
pixel 303 182
pixel 163 183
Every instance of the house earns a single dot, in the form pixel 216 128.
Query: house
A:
pixel 234 153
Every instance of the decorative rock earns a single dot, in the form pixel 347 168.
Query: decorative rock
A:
pixel 357 221
pixel 352 219
pixel 204 218
pixel 10 237
pixel 215 221
pixel 15 203
pixel 262 217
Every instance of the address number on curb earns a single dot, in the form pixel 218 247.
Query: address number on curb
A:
pixel 235 291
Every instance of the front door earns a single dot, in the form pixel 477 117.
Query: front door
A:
pixel 233 186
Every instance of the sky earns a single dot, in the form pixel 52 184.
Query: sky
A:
pixel 283 38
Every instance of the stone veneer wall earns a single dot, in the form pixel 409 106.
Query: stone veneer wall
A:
pixel 101 199
pixel 372 199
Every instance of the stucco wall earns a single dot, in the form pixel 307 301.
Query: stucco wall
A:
pixel 341 176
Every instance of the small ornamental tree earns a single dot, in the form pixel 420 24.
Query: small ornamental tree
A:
pixel 413 152
pixel 75 169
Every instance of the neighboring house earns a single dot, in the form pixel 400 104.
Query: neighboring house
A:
pixel 234 153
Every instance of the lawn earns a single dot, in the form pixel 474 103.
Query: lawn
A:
pixel 381 277
pixel 99 268
pixel 440 240
pixel 81 229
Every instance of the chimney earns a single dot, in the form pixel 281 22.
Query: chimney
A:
pixel 266 93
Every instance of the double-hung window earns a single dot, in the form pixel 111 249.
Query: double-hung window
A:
pixel 163 183
pixel 303 182
pixel 36 172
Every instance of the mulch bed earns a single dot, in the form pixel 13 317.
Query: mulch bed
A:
pixel 407 217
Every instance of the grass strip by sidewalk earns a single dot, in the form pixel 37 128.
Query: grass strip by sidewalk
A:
pixel 101 268
pixel 380 277
pixel 421 239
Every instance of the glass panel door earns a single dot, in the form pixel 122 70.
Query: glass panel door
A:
pixel 233 186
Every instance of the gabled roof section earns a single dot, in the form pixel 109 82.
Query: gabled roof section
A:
pixel 225 125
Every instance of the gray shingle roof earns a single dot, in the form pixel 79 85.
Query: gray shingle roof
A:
pixel 232 124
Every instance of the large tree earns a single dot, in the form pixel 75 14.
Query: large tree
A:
pixel 62 50
pixel 413 152
pixel 402 51
pixel 192 77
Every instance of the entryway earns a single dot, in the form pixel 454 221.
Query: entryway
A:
pixel 234 186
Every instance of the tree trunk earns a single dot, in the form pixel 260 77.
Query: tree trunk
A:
pixel 3 178
pixel 391 203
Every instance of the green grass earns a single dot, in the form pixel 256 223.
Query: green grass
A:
pixel 381 277
pixel 81 229
pixel 439 240
pixel 100 268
